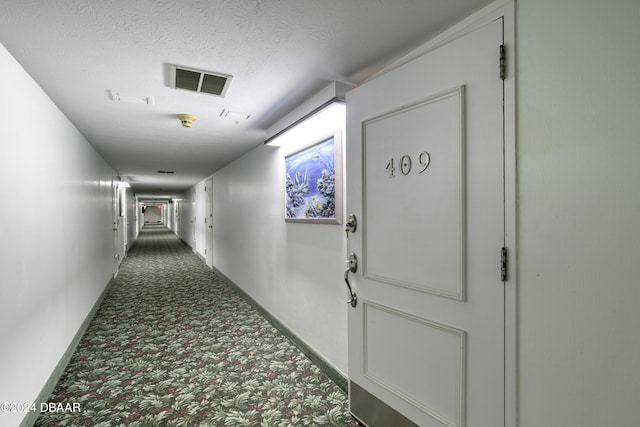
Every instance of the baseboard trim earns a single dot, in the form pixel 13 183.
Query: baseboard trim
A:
pixel 185 242
pixel 53 379
pixel 321 362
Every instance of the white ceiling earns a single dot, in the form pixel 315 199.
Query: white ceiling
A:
pixel 278 51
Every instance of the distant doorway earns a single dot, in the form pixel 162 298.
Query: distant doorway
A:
pixel 154 214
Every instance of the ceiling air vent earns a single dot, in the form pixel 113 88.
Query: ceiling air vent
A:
pixel 199 81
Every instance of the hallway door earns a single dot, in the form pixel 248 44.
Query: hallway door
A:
pixel 208 189
pixel 117 226
pixel 426 183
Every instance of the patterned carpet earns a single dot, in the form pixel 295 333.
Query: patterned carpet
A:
pixel 173 345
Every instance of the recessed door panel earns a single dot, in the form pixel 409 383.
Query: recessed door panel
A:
pixel 394 339
pixel 413 165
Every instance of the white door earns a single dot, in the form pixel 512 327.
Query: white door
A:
pixel 426 184
pixel 208 188
pixel 118 230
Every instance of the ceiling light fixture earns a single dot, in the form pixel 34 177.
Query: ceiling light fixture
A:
pixel 187 119
pixel 321 115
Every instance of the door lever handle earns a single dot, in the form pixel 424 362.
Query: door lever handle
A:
pixel 352 267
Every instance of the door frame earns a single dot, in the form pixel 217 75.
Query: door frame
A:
pixel 499 9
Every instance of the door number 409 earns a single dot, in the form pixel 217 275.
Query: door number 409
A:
pixel 405 164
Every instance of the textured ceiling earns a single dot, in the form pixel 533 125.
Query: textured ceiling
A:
pixel 278 51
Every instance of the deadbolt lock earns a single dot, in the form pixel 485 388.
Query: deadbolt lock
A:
pixel 351 224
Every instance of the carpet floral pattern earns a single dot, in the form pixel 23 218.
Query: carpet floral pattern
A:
pixel 173 345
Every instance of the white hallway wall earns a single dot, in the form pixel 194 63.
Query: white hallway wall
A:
pixel 578 83
pixel 183 215
pixel 54 267
pixel 199 213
